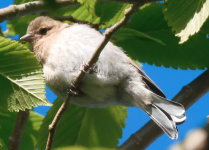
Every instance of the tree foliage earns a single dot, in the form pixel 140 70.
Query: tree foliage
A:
pixel 148 38
pixel 81 126
pixel 186 17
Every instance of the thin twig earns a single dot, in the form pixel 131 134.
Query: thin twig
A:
pixel 16 11
pixel 72 19
pixel 16 137
pixel 150 131
pixel 53 125
pixel 108 35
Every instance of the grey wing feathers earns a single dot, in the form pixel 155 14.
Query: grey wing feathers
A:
pixel 149 83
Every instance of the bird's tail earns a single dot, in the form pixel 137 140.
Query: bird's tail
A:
pixel 166 114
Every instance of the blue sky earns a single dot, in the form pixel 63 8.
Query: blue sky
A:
pixel 170 81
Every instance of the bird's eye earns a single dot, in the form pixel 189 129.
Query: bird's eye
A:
pixel 43 31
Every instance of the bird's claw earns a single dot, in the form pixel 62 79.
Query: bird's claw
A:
pixel 85 64
pixel 72 91
pixel 90 71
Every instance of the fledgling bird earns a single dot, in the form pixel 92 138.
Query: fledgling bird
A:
pixel 115 79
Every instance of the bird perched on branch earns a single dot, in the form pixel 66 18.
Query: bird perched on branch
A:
pixel 114 80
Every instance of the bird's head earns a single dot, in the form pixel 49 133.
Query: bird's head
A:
pixel 42 32
pixel 41 28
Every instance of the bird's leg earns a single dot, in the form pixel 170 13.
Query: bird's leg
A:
pixel 72 91
pixel 75 91
pixel 85 64
pixel 91 69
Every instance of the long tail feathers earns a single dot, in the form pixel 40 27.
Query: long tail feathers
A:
pixel 172 108
pixel 179 119
pixel 166 114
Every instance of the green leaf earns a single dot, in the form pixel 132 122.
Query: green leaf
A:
pixel 81 126
pixel 81 13
pixel 107 10
pixel 115 13
pixel 119 15
pixel 51 4
pixel 150 20
pixel 20 25
pixel 30 135
pixel 2 144
pixel 186 17
pixel 128 34
pixel 90 5
pixel 21 77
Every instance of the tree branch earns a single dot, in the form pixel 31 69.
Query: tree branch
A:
pixel 108 35
pixel 15 11
pixel 16 137
pixel 53 125
pixel 150 131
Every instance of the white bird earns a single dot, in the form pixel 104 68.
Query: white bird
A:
pixel 114 80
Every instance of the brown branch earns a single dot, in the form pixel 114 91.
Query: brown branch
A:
pixel 72 19
pixel 108 35
pixel 16 137
pixel 150 131
pixel 53 125
pixel 15 11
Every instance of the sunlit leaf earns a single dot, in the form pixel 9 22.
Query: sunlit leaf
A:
pixel 186 17
pixel 192 54
pixel 21 77
pixel 89 4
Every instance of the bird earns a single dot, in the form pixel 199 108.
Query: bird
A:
pixel 115 79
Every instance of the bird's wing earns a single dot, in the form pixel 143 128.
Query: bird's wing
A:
pixel 148 82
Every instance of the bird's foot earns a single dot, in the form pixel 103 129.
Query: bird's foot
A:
pixel 91 69
pixel 72 91
pixel 85 64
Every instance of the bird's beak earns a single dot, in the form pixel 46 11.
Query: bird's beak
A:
pixel 28 38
